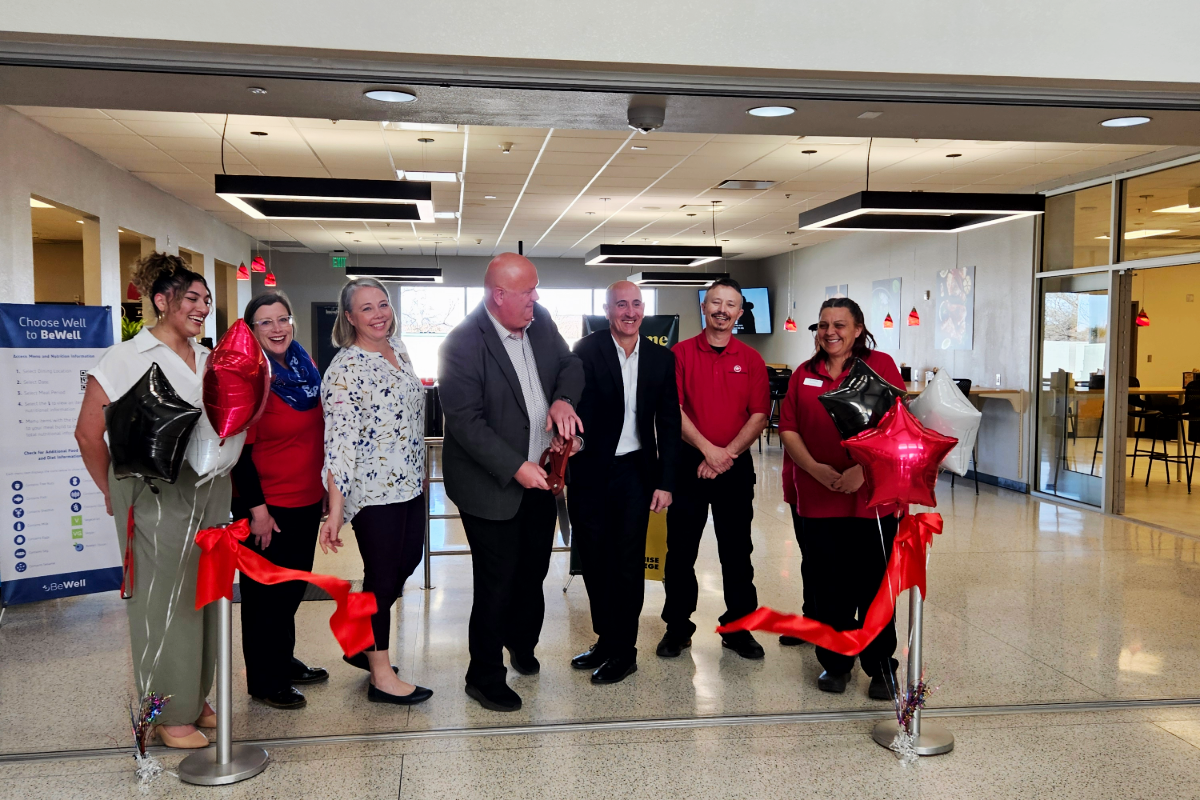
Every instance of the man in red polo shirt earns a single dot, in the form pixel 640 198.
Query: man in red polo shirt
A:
pixel 725 397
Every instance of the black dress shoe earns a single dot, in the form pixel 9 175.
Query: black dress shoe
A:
pixel 360 660
pixel 525 663
pixel 791 641
pixel 835 684
pixel 303 674
pixel 880 689
pixel 592 659
pixel 615 670
pixel 419 694
pixel 670 647
pixel 743 644
pixel 288 699
pixel 495 698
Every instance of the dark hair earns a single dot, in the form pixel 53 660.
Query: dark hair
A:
pixel 163 273
pixel 730 282
pixel 863 345
pixel 268 299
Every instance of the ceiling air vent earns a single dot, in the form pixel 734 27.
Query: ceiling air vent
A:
pixel 744 184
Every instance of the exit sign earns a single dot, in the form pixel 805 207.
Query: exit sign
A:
pixel 338 262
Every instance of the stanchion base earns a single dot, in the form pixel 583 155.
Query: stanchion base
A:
pixel 202 769
pixel 932 741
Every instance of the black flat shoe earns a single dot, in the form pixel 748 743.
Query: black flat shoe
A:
pixel 592 659
pixel 360 660
pixel 880 689
pixel 418 695
pixel 526 663
pixel 791 641
pixel 303 674
pixel 744 645
pixel 670 647
pixel 615 670
pixel 495 698
pixel 288 699
pixel 834 684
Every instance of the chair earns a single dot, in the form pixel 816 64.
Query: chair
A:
pixel 1191 415
pixel 1164 426
pixel 964 386
pixel 777 379
pixel 1138 409
pixel 1096 383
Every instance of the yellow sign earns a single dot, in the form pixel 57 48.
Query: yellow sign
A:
pixel 656 546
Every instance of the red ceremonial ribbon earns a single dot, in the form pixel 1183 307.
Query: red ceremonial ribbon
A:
pixel 906 569
pixel 222 553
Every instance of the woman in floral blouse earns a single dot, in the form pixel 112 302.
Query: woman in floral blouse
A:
pixel 374 465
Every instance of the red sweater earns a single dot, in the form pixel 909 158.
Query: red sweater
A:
pixel 288 452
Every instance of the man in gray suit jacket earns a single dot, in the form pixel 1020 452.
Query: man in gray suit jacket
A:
pixel 508 385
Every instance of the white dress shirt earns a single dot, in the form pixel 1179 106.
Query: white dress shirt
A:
pixel 629 441
pixel 520 353
pixel 124 364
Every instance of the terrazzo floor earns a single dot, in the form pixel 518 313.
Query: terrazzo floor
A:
pixel 1030 602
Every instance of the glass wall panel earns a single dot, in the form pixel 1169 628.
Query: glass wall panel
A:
pixel 1076 229
pixel 1074 352
pixel 1162 213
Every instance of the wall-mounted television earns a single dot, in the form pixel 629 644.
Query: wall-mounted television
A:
pixel 756 307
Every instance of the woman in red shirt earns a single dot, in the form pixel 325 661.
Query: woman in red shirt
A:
pixel 279 489
pixel 844 545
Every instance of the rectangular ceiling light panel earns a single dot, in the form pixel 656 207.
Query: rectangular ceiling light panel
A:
pixel 667 279
pixel 920 212
pixel 741 184
pixel 397 274
pixel 650 255
pixel 433 177
pixel 273 197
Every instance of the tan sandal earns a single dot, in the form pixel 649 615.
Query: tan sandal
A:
pixel 193 741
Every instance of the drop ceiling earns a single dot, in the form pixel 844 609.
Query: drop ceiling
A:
pixel 549 191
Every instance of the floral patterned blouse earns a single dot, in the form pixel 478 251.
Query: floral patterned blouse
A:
pixel 374 428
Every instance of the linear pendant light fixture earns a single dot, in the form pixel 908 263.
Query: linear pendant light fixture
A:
pixel 920 212
pixel 397 274
pixel 667 279
pixel 650 255
pixel 274 197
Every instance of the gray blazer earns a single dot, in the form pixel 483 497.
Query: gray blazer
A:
pixel 487 424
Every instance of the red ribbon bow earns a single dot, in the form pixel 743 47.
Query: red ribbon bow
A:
pixel 905 570
pixel 222 553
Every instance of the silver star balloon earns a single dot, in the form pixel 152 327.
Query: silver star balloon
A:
pixel 943 408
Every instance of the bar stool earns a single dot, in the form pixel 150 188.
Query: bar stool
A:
pixel 1165 426
pixel 778 380
pixel 964 386
pixel 1191 415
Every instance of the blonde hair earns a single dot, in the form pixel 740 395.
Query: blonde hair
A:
pixel 344 334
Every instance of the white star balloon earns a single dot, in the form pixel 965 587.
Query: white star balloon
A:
pixel 943 408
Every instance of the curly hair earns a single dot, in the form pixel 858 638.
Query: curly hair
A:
pixel 165 274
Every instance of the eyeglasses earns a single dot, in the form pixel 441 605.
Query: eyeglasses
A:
pixel 264 324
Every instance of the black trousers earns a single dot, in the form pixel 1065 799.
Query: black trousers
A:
pixel 731 496
pixel 609 523
pixel 509 561
pixel 391 540
pixel 844 563
pixel 805 583
pixel 269 612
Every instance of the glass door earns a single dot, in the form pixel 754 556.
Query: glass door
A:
pixel 1073 359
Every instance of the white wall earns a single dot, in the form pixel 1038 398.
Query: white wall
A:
pixel 34 160
pixel 1168 347
pixel 1065 39
pixel 1003 259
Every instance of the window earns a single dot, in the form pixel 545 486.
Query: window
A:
pixel 1162 214
pixel 1076 229
pixel 428 313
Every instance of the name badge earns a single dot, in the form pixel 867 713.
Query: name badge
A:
pixel 813 382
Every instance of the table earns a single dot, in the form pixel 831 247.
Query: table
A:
pixel 1017 398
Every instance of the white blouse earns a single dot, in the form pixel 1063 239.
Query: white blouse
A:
pixel 374 428
pixel 124 364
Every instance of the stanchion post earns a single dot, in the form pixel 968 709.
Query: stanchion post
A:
pixel 428 510
pixel 225 763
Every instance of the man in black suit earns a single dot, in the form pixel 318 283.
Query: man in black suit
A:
pixel 507 383
pixel 631 428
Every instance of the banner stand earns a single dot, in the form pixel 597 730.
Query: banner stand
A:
pixel 929 739
pixel 226 763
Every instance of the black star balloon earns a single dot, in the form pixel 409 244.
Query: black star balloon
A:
pixel 861 401
pixel 148 429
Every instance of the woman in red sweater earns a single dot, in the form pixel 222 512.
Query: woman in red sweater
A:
pixel 844 545
pixel 278 485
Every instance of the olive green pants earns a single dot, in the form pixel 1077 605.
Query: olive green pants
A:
pixel 174 645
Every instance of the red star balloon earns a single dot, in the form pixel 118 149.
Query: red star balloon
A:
pixel 900 458
pixel 237 381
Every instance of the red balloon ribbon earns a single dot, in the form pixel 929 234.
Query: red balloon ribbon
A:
pixel 905 569
pixel 222 553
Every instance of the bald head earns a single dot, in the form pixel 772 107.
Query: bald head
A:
pixel 510 290
pixel 624 310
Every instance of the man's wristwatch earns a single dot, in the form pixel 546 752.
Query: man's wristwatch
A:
pixel 566 400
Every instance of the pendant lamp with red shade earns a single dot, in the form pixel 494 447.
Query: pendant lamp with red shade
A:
pixel 243 274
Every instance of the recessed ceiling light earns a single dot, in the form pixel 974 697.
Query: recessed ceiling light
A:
pixel 638 147
pixel 258 133
pixel 1124 122
pixel 421 126
pixel 79 221
pixel 445 215
pixel 489 197
pixel 432 177
pixel 1183 209
pixel 390 96
pixel 1146 232
pixel 771 111
pixel 954 155
pixel 870 115
pixel 256 90
pixel 35 203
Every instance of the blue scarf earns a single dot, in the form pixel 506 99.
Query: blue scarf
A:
pixel 298 383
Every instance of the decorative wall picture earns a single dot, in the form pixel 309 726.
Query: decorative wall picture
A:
pixel 955 321
pixel 842 290
pixel 883 318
